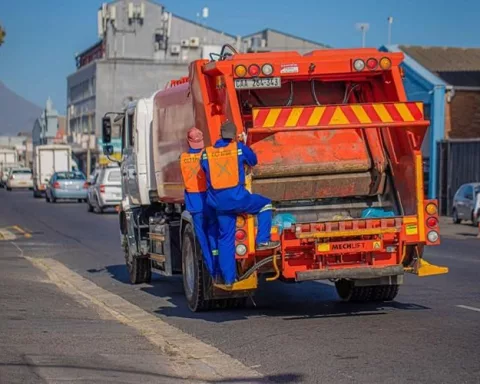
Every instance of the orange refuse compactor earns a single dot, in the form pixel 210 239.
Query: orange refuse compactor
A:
pixel 338 148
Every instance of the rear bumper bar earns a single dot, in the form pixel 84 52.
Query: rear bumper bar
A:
pixel 350 273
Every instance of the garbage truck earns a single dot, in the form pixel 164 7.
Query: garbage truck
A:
pixel 338 149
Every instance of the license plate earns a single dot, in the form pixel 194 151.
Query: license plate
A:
pixel 266 82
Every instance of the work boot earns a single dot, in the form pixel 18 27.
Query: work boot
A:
pixel 268 245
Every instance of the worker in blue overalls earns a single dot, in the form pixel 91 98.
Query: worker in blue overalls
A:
pixel 204 217
pixel 223 164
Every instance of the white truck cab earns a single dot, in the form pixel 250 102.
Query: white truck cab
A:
pixel 138 175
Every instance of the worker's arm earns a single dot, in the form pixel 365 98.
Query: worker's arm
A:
pixel 248 155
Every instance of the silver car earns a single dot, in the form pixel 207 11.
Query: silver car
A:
pixel 66 185
pixel 464 203
pixel 105 190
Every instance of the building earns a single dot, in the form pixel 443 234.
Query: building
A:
pixel 460 69
pixel 142 46
pixel 46 126
pixel 18 143
pixel 273 40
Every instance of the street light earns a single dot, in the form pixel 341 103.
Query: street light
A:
pixel 363 27
pixel 390 22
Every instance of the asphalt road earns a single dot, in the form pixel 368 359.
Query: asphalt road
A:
pixel 301 333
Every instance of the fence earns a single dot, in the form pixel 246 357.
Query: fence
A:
pixel 458 163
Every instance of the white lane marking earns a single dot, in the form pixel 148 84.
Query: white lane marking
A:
pixel 200 361
pixel 468 307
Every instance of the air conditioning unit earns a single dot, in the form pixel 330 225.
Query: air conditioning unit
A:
pixel 194 42
pixel 185 43
pixel 175 49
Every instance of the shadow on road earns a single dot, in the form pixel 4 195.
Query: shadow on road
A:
pixel 289 301
pixel 281 378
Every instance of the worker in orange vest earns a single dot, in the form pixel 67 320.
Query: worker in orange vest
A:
pixel 223 164
pixel 204 217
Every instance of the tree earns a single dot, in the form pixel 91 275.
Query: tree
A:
pixel 2 35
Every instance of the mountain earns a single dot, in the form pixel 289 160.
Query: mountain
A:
pixel 16 113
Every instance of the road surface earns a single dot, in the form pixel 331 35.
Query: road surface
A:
pixel 297 333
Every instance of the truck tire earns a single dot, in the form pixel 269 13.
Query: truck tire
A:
pixel 89 206
pixel 139 269
pixel 347 291
pixel 193 272
pixel 385 292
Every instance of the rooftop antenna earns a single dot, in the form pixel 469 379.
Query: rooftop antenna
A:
pixel 390 22
pixel 363 27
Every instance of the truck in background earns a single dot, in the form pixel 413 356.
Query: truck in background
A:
pixel 8 159
pixel 48 159
pixel 338 149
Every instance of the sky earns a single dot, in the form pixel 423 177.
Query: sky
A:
pixel 44 35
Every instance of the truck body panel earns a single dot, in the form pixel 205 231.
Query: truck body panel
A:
pixel 49 159
pixel 8 157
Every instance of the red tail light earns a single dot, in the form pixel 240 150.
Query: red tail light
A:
pixel 240 235
pixel 432 222
pixel 57 185
pixel 102 188
pixel 85 185
pixel 254 70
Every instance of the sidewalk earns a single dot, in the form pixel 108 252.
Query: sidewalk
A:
pixel 48 337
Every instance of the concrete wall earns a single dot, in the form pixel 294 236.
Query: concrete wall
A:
pixel 130 78
pixel 277 41
pixel 465 114
pixel 133 38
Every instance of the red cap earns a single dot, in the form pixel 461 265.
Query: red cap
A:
pixel 195 138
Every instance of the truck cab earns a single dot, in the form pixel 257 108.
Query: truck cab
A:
pixel 137 165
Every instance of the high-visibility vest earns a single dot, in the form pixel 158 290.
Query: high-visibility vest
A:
pixel 193 176
pixel 223 166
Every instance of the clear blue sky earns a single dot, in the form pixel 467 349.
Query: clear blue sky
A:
pixel 43 36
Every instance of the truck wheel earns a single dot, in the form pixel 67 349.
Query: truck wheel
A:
pixel 89 206
pixel 385 292
pixel 349 293
pixel 193 272
pixel 139 269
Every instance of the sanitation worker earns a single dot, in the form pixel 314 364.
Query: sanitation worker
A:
pixel 204 217
pixel 223 164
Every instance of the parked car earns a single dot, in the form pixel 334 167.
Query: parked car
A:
pixel 464 203
pixel 105 190
pixel 19 178
pixel 4 174
pixel 66 185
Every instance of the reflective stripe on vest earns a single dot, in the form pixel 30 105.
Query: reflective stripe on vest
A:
pixel 193 176
pixel 223 166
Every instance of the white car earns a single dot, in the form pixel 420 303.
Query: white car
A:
pixel 19 178
pixel 4 174
pixel 105 190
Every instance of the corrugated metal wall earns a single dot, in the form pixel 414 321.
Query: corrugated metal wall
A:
pixel 458 163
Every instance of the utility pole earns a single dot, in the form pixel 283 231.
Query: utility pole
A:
pixel 390 22
pixel 363 27
pixel 89 151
